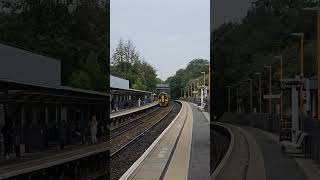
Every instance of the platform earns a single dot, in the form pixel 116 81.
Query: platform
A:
pixel 199 168
pixel 256 154
pixel 42 160
pixel 180 144
pixel 132 110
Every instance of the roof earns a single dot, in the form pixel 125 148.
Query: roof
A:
pixel 83 90
pixel 136 90
pixel 25 69
pixel 24 66
pixel 117 82
pixel 22 85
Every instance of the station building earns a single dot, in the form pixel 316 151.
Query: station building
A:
pixel 122 97
pixel 35 103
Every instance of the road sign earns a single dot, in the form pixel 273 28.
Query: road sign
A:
pixel 272 96
pixel 195 92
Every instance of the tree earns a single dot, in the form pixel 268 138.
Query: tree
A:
pixel 184 77
pixel 127 63
pixel 70 31
pixel 239 50
pixel 138 84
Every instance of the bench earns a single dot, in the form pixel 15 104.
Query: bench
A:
pixel 202 106
pixel 293 145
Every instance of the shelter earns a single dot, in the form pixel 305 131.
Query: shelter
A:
pixel 123 97
pixel 35 103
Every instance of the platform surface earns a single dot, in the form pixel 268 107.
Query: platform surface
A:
pixel 156 162
pixel 181 151
pixel 257 155
pixel 50 158
pixel 199 166
pixel 132 110
pixel 277 165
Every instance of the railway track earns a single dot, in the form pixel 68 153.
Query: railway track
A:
pixel 133 123
pixel 128 134
pixel 219 144
pixel 236 161
pixel 130 145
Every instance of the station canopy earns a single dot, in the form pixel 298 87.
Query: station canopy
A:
pixel 26 76
pixel 121 86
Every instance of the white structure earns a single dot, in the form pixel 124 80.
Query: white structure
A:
pixel 22 66
pixel 119 83
pixel 203 95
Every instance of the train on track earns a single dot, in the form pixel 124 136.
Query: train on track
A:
pixel 163 99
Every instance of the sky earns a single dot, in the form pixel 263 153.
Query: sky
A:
pixel 168 33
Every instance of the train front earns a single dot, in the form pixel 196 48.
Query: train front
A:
pixel 163 99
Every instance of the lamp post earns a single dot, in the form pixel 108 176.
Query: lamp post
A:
pixel 204 78
pixel 237 88
pixel 260 102
pixel 202 90
pixel 301 35
pixel 317 10
pixel 229 98
pixel 270 92
pixel 281 77
pixel 194 88
pixel 209 82
pixel 237 99
pixel 250 95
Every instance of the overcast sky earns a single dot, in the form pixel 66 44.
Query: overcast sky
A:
pixel 168 33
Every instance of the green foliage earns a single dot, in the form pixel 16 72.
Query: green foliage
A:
pixel 127 63
pixel 240 50
pixel 138 84
pixel 71 31
pixel 184 77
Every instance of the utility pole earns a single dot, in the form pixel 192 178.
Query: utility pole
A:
pixel 281 77
pixel 250 95
pixel 260 102
pixel 204 78
pixel 194 89
pixel 318 63
pixel 301 35
pixel 229 98
pixel 270 92
pixel 237 99
pixel 209 90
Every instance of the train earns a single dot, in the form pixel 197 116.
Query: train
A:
pixel 163 99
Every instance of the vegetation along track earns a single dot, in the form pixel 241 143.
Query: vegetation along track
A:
pixel 122 157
